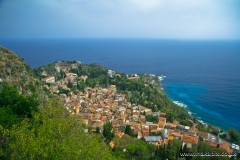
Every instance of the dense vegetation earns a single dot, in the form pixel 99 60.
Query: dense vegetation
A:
pixel 235 136
pixel 14 106
pixel 48 132
pixel 127 147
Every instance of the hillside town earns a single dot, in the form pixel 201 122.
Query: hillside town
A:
pixel 97 106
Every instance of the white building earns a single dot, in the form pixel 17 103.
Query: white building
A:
pixel 49 79
pixel 111 73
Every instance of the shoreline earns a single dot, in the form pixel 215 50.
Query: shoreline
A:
pixel 190 113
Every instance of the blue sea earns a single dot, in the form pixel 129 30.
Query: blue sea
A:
pixel 204 75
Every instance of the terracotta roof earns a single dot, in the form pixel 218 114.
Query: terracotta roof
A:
pixel 92 110
pixel 230 150
pixel 137 126
pixel 165 141
pixel 119 134
pixel 115 125
pixel 111 144
pixel 153 130
pixel 161 123
pixel 102 118
pixel 189 139
pixel 225 146
pixel 170 137
pixel 212 144
pixel 145 131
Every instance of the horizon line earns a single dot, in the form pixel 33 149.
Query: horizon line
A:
pixel 115 38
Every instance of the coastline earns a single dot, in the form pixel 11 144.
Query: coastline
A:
pixel 221 101
pixel 183 105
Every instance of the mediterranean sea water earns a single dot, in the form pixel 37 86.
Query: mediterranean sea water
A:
pixel 205 75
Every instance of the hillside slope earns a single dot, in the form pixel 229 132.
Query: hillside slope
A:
pixel 14 71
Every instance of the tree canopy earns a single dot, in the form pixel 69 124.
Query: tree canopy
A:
pixel 15 106
pixel 107 132
pixel 52 134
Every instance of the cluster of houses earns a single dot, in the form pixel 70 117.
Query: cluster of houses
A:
pixel 62 84
pixel 96 106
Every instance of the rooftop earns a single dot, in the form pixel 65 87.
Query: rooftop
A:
pixel 189 139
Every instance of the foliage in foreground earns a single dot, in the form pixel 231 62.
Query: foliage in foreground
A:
pixel 51 134
pixel 15 106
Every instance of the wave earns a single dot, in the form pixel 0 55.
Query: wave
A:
pixel 181 104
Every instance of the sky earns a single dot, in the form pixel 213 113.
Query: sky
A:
pixel 162 19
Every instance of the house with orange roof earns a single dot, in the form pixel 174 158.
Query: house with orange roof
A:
pixel 226 147
pixel 119 134
pixel 161 123
pixel 212 144
pixel 190 141
pixel 165 141
pixel 102 118
pixel 142 118
pixel 111 144
pixel 153 128
pixel 170 137
pixel 145 132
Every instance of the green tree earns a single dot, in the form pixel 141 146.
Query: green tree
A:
pixel 97 130
pixel 137 151
pixel 203 147
pixel 16 104
pixel 7 118
pixel 235 136
pixel 107 132
pixel 128 131
pixel 69 85
pixel 160 152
